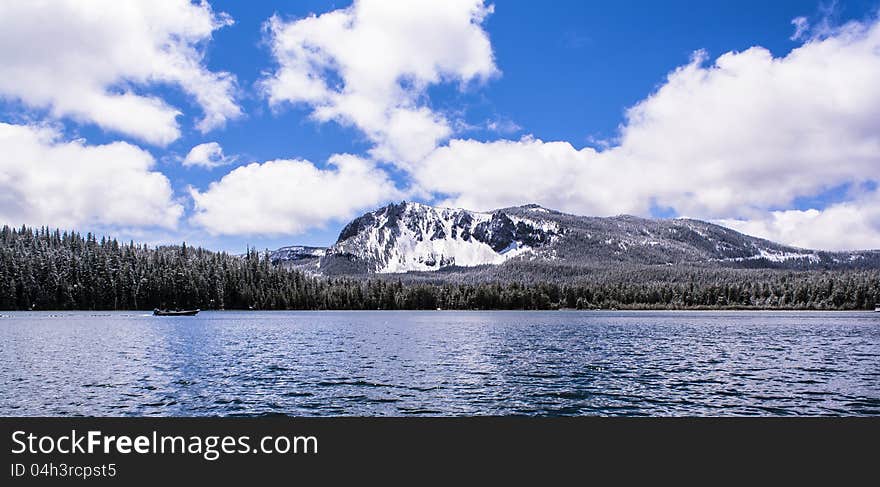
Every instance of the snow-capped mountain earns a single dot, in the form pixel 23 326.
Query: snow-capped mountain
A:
pixel 407 237
pixel 414 237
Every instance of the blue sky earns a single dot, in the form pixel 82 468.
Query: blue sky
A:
pixel 556 79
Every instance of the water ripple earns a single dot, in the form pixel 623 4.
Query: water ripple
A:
pixel 440 364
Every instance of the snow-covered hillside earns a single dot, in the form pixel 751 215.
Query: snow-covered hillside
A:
pixel 297 253
pixel 414 237
pixel 407 237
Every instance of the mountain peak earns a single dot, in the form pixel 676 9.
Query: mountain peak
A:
pixel 530 208
pixel 402 237
pixel 409 236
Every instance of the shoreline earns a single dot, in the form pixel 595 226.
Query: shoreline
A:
pixel 564 310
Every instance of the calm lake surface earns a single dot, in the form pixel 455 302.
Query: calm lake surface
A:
pixel 440 363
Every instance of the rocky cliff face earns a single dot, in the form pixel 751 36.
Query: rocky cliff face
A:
pixel 414 237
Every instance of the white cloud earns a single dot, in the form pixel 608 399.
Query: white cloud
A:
pixel 48 181
pixel 757 131
pixel 843 226
pixel 502 126
pixel 208 155
pixel 369 66
pixel 290 196
pixel 745 134
pixel 89 60
pixel 488 175
pixel 801 28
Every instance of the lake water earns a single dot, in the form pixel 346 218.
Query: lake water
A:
pixel 440 363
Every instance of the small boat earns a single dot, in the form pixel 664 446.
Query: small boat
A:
pixel 175 312
pixel 877 308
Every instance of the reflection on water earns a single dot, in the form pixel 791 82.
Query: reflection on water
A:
pixel 440 363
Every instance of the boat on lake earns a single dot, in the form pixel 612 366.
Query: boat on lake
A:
pixel 175 312
pixel 877 308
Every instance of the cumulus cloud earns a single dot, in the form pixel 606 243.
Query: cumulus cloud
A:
pixel 488 175
pixel 290 196
pixel 45 180
pixel 733 138
pixel 842 226
pixel 90 61
pixel 208 155
pixel 369 66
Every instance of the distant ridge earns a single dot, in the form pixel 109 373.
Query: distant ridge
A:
pixel 413 237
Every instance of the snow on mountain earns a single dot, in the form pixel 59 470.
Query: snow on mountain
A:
pixel 296 253
pixel 415 237
pixel 781 256
pixel 406 237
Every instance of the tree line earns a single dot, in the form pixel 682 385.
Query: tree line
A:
pixel 45 269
